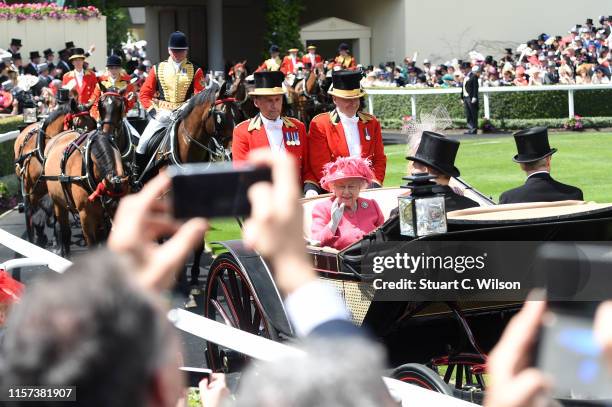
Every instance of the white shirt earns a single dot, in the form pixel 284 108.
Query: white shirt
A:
pixel 313 59
pixel 177 65
pixel 537 172
pixel 79 77
pixel 351 132
pixel 274 131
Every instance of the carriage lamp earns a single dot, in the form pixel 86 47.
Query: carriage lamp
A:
pixel 29 111
pixel 422 212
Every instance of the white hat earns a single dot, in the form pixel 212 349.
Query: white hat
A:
pixel 426 61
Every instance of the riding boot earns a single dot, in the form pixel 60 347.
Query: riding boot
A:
pixel 138 166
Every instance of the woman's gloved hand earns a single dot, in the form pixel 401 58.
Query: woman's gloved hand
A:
pixel 337 210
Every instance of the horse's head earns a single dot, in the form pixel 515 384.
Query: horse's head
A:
pixel 112 105
pixel 108 167
pixel 207 124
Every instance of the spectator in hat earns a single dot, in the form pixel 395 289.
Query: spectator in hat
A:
pixel 269 129
pixel 80 80
pixel 552 76
pixel 32 67
pixel 43 74
pixel 534 157
pixel 599 77
pixel 49 59
pixel 18 64
pixel 469 96
pixel 344 218
pixel 312 57
pixel 583 74
pixel 116 79
pixel 520 78
pixel 273 63
pixel 63 65
pixel 344 59
pixel 345 132
pixel 15 46
pixel 535 76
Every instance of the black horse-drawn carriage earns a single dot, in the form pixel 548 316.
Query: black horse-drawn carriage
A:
pixel 438 345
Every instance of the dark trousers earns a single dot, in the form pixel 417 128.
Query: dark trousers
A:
pixel 471 113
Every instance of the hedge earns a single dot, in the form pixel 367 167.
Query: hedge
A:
pixel 504 106
pixel 6 149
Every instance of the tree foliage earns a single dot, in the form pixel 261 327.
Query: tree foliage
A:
pixel 283 24
pixel 117 21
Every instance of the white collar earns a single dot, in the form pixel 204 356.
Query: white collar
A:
pixel 344 117
pixel 537 172
pixel 268 122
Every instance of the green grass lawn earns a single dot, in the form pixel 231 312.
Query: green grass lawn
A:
pixel 583 160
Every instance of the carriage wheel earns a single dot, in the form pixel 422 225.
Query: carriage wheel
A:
pixel 231 299
pixel 422 376
pixel 467 367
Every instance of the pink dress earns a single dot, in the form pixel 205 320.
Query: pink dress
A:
pixel 352 227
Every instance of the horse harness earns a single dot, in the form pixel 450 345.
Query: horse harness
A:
pixel 83 144
pixel 167 151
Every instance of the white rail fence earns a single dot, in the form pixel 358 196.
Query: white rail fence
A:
pixel 485 91
pixel 248 344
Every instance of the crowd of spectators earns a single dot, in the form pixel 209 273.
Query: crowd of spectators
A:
pixel 580 57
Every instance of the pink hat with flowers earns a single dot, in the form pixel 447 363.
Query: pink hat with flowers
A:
pixel 347 167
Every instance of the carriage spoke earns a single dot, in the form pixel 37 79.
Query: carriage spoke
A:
pixel 242 309
pixel 222 312
pixel 228 299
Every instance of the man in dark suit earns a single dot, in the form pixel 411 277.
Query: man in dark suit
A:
pixel 49 59
pixel 32 68
pixel 469 95
pixel 436 156
pixel 15 46
pixel 534 156
pixel 63 65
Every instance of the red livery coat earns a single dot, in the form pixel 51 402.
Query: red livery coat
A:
pixel 88 85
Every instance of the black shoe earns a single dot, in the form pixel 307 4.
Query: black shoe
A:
pixel 139 164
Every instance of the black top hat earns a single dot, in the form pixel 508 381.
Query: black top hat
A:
pixel 70 45
pixel 589 21
pixel 532 145
pixel 346 84
pixel 177 40
pixel 47 52
pixel 268 83
pixel 274 48
pixel 343 47
pixel 113 60
pixel 508 50
pixel 438 152
pixel 34 54
pixel 16 42
pixel 63 95
pixel 77 53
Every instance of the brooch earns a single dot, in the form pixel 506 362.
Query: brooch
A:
pixel 367 135
pixel 364 205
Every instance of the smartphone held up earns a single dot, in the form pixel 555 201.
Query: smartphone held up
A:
pixel 214 190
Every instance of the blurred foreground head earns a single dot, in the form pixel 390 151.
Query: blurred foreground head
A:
pixel 337 372
pixel 95 328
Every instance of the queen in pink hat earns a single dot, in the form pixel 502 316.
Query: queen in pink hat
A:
pixel 344 218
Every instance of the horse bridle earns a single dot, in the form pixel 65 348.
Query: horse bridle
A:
pixel 124 104
pixel 217 151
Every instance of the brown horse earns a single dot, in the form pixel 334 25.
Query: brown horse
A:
pixel 84 175
pixel 29 150
pixel 203 133
pixel 112 106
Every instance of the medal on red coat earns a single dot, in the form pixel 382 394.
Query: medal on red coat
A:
pixel 367 134
pixel 297 138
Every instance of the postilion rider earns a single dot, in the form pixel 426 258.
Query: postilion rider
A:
pixel 269 129
pixel 345 132
pixel 169 84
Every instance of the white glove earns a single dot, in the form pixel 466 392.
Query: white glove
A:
pixel 474 100
pixel 311 193
pixel 336 214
